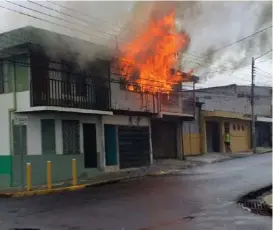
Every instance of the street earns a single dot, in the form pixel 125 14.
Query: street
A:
pixel 198 198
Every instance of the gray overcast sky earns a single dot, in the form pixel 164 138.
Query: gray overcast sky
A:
pixel 211 25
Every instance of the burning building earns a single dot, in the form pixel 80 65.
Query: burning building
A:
pixel 107 117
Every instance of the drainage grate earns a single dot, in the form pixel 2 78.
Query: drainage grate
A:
pixel 257 207
pixel 254 203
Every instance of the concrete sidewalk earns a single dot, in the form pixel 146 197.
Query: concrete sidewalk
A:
pixel 217 157
pixel 159 168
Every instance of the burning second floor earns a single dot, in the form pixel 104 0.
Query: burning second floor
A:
pixel 48 80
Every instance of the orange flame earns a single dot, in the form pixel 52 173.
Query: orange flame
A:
pixel 150 59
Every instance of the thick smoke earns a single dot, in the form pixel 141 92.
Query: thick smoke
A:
pixel 210 25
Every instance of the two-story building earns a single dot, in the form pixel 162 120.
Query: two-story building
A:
pixel 60 103
pixel 228 109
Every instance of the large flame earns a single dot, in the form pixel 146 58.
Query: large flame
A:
pixel 150 59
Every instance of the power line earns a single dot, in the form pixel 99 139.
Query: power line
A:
pixel 62 19
pixel 263 71
pixel 263 54
pixel 90 16
pixel 87 33
pixel 5 35
pixel 240 40
pixel 69 15
pixel 264 60
pixel 115 35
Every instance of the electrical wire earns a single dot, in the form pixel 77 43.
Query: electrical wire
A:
pixel 90 16
pixel 263 71
pixel 69 15
pixel 8 37
pixel 62 19
pixel 263 54
pixel 81 31
pixel 242 39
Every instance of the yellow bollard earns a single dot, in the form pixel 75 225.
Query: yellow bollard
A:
pixel 74 172
pixel 28 177
pixel 48 174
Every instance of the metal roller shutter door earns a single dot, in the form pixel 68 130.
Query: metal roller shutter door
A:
pixel 134 147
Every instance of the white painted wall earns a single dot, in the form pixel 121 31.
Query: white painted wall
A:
pixel 135 101
pixel 127 100
pixel 23 100
pixel 34 142
pixel 126 120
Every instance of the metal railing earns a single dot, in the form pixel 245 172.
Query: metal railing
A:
pixel 52 92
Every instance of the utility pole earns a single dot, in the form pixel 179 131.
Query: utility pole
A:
pixel 252 99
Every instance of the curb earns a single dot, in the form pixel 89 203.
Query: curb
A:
pixel 164 172
pixel 42 191
pixel 63 189
pixel 269 151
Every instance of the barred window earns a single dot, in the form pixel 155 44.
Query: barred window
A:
pixel 48 136
pixel 71 136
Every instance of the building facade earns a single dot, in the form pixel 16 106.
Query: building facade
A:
pixel 54 109
pixel 228 108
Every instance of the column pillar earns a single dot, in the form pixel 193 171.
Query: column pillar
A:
pixel 179 136
pixel 222 134
pixel 150 142
pixel 203 134
pixel 100 142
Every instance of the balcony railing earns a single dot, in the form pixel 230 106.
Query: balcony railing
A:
pixel 52 92
pixel 177 102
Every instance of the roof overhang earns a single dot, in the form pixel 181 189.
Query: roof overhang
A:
pixel 63 109
pixel 225 114
pixel 264 119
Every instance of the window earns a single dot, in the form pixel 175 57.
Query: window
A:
pixel 6 70
pixel 234 127
pixel 226 127
pixel 19 139
pixel 243 128
pixel 238 127
pixel 71 137
pixel 48 136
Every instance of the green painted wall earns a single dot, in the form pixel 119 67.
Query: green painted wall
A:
pixel 5 170
pixel 61 168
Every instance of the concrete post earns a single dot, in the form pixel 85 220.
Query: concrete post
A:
pixel 222 134
pixel 179 140
pixel 203 134
pixel 150 142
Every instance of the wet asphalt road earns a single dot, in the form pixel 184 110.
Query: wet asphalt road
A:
pixel 198 198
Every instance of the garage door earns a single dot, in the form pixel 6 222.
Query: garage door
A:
pixel 134 147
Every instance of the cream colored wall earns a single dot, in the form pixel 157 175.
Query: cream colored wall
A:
pixel 192 144
pixel 240 139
